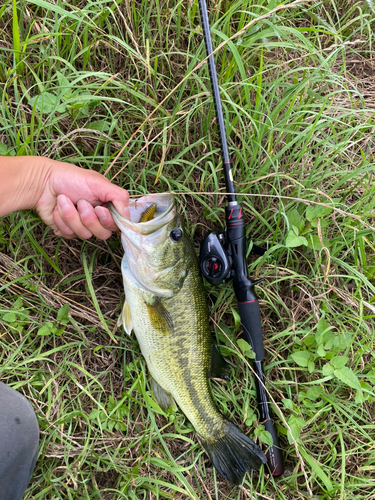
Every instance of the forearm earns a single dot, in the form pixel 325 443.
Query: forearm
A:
pixel 22 181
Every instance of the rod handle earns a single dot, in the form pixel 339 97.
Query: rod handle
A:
pixel 274 456
pixel 252 327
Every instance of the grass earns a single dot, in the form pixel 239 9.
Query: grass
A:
pixel 77 80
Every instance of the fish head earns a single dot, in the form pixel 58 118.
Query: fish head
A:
pixel 158 252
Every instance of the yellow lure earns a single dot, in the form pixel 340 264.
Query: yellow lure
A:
pixel 148 214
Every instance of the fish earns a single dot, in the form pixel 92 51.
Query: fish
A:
pixel 166 307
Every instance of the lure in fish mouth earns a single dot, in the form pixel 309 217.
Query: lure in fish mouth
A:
pixel 166 307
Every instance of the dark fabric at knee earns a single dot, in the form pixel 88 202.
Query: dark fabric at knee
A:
pixel 19 438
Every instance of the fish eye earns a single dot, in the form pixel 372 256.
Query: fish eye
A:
pixel 176 234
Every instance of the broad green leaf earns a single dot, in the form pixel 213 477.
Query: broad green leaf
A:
pixel 295 219
pixel 339 361
pixel 100 125
pixel 111 403
pixel 3 149
pixel 321 351
pixel 245 348
pixel 47 103
pixel 311 366
pixel 301 358
pixel 321 329
pixel 266 438
pixel 342 341
pixel 46 329
pixel 296 424
pixel 327 369
pixel 63 314
pixel 314 212
pixel 288 403
pixel 292 240
pixel 314 393
pixel 10 317
pixel 309 341
pixel 348 377
pixel 18 303
pixel 111 424
pixel 323 223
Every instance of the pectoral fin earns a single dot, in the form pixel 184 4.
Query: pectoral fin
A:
pixel 160 318
pixel 219 367
pixel 164 398
pixel 126 319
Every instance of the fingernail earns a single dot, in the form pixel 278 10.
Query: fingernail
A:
pixel 102 213
pixel 126 212
pixel 63 201
pixel 83 206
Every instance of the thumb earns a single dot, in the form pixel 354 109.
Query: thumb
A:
pixel 119 197
pixel 122 206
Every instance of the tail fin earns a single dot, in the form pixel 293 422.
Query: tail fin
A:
pixel 233 453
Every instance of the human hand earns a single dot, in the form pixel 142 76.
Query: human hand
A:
pixel 72 201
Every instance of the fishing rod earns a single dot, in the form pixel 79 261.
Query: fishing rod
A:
pixel 223 256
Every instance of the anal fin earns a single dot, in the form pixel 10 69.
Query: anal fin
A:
pixel 219 366
pixel 164 398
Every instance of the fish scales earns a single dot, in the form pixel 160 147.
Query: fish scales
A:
pixel 166 307
pixel 180 362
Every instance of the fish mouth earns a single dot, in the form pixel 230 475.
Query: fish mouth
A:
pixel 164 213
pixel 140 239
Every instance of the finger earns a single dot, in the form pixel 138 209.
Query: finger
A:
pixel 71 218
pixel 118 196
pixel 60 228
pixel 122 208
pixel 89 218
pixel 105 218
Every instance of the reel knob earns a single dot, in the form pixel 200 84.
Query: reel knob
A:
pixel 213 267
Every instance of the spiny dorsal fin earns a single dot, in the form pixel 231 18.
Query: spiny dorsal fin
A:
pixel 219 367
pixel 164 398
pixel 160 318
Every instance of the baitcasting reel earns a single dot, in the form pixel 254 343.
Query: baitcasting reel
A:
pixel 216 257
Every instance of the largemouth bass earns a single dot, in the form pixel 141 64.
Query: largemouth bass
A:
pixel 167 309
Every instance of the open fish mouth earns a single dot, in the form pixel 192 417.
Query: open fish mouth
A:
pixel 164 213
pixel 134 232
pixel 143 239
